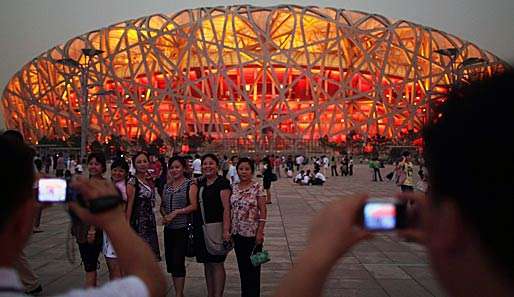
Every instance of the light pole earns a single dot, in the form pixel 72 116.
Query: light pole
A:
pixel 83 71
pixel 452 53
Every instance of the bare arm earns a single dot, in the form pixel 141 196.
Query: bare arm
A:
pixel 225 200
pixel 131 193
pixel 193 200
pixel 134 255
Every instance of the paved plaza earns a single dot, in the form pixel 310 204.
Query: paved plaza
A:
pixel 382 266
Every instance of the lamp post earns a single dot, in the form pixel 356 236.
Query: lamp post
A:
pixel 83 71
pixel 452 53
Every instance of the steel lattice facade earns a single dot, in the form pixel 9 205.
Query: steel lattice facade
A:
pixel 253 74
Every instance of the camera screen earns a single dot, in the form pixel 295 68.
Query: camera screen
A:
pixel 51 190
pixel 380 216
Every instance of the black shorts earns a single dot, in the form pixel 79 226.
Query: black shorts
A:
pixel 175 245
pixel 266 184
pixel 89 253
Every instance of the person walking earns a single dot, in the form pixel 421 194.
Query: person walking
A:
pixel 213 192
pixel 140 203
pixel 350 166
pixel 277 164
pixel 406 173
pixel 267 179
pixel 176 207
pixel 248 213
pixel 374 164
pixel 333 166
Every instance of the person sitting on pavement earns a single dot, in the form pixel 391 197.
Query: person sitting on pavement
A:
pixel 319 179
pixel 306 180
pixel 299 177
pixel 17 206
pixel 465 221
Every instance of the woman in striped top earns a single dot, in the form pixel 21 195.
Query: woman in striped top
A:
pixel 176 206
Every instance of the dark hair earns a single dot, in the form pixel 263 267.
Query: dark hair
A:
pixel 16 177
pixel 137 155
pixel 246 160
pixel 232 158
pixel 212 156
pixel 100 158
pixel 405 154
pixel 180 159
pixel 14 136
pixel 120 163
pixel 477 120
pixel 197 156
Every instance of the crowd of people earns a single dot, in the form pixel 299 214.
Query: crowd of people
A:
pixel 464 220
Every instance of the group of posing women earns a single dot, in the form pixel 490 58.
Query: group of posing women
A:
pixel 186 202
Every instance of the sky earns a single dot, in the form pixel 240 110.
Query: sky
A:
pixel 30 27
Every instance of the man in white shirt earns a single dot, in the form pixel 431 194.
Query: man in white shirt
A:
pixel 319 179
pixel 232 171
pixel 197 166
pixel 18 206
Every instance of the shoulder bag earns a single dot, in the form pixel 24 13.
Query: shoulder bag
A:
pixel 212 233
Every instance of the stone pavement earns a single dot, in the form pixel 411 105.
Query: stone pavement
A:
pixel 382 266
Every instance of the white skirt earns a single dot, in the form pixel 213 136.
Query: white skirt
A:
pixel 108 249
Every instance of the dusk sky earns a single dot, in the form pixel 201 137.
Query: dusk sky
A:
pixel 30 27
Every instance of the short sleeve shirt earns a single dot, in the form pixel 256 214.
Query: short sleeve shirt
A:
pixel 408 169
pixel 211 198
pixel 245 209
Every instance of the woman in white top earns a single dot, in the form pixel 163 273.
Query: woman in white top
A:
pixel 119 173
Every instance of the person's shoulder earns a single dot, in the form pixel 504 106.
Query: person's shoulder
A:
pixel 223 182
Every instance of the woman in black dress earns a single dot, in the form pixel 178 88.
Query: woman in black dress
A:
pixel 215 200
pixel 140 202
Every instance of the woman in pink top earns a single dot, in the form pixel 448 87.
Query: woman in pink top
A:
pixel 248 212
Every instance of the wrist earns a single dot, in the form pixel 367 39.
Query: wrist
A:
pixel 115 224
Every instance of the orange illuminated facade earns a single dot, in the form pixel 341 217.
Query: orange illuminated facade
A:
pixel 254 75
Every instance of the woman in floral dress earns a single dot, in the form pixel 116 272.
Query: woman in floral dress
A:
pixel 140 203
pixel 248 216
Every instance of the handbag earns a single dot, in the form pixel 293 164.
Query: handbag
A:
pixel 213 233
pixel 259 258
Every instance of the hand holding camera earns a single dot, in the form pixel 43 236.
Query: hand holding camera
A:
pixel 104 208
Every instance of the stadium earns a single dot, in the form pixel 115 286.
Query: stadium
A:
pixel 250 77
